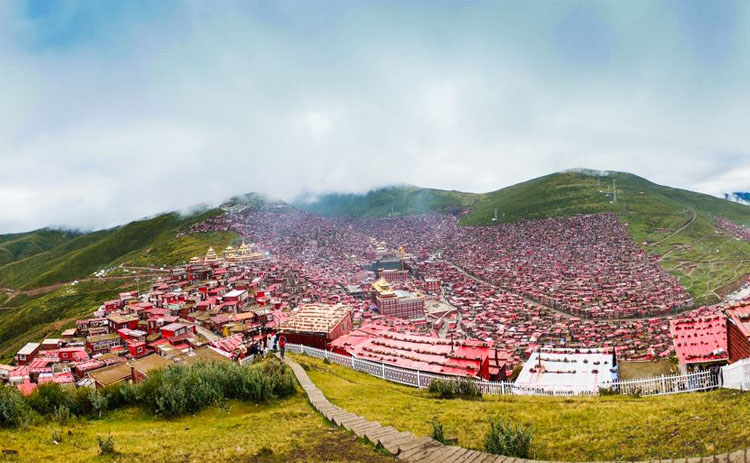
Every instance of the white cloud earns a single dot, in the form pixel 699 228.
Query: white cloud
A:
pixel 197 106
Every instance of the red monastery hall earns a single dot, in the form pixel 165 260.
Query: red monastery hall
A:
pixel 317 324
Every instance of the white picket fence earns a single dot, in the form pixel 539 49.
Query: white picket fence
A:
pixel 660 385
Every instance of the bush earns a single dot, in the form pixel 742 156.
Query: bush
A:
pixel 449 389
pixel 62 415
pixel 14 410
pixel 172 391
pixel 508 439
pixel 438 433
pixel 177 389
pixel 82 401
pixel 106 446
pixel 57 436
pixel 49 397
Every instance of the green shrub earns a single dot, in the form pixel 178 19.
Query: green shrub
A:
pixel 82 401
pixel 57 435
pixel 49 397
pixel 464 388
pixel 172 391
pixel 177 389
pixel 106 446
pixel 508 439
pixel 438 433
pixel 62 415
pixel 14 410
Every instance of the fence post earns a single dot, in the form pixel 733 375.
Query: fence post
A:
pixel 419 382
pixel 301 348
pixel 663 384
pixel 382 370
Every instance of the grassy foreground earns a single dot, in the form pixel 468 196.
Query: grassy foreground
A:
pixel 567 429
pixel 285 431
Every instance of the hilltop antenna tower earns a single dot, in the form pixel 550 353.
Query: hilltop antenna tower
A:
pixel 614 191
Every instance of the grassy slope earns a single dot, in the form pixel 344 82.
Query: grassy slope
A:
pixel 651 211
pixel 567 429
pixel 146 241
pixel 31 318
pixel 19 246
pixel 237 431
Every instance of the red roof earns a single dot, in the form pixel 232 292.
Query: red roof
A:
pixel 423 353
pixel 700 340
pixel 26 388
pixel 741 317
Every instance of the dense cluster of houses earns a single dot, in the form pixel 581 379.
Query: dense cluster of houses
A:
pixel 734 229
pixel 414 292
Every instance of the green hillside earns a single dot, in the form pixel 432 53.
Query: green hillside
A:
pixel 25 318
pixel 19 246
pixel 145 242
pixel 397 200
pixel 707 261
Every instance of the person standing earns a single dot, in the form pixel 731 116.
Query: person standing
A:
pixel 282 345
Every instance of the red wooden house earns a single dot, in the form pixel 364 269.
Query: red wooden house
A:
pixel 27 353
pixel 73 354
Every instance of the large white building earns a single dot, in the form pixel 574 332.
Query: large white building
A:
pixel 569 370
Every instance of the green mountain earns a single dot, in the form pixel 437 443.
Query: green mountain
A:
pixel 383 202
pixel 19 246
pixel 42 302
pixel 148 242
pixel 678 225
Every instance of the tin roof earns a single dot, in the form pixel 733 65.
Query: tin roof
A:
pixel 700 340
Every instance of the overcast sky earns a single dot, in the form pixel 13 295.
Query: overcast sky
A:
pixel 111 111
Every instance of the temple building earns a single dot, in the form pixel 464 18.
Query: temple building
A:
pixel 397 303
pixel 244 253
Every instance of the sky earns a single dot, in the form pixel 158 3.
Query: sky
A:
pixel 113 111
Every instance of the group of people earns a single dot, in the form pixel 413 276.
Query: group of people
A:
pixel 271 342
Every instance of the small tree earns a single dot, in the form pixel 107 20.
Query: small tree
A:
pixel 508 439
pixel 98 402
pixel 14 410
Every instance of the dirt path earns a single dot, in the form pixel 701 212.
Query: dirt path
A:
pixel 678 231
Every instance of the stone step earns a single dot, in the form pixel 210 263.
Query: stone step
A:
pixel 375 434
pixel 446 454
pixel 424 453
